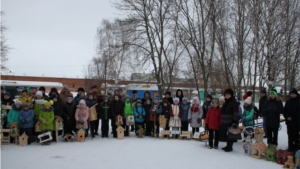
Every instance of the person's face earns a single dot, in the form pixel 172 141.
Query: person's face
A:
pixel 81 105
pixel 221 102
pixel 6 97
pixel 245 104
pixel 262 94
pixel 146 94
pixel 293 95
pixel 127 99
pixel 184 101
pixel 94 90
pixel 208 99
pixel 176 102
pixel 165 104
pixel 25 107
pixel 79 93
pixel 116 92
pixel 24 94
pixel 47 107
pixel 116 98
pixel 120 91
pixel 272 96
pixel 167 96
pixel 55 99
pixel 18 105
pixel 106 100
pixel 38 97
pixel 82 94
pixel 134 94
pixel 195 101
pixel 69 100
pixel 215 104
pixel 91 97
pixel 139 104
pixel 155 101
pixel 65 89
pixel 179 93
pixel 228 96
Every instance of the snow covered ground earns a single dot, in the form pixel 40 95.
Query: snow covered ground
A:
pixel 133 153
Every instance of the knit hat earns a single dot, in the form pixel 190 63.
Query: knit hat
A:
pixel 263 91
pixel 65 87
pixel 105 97
pixel 215 100
pixel 209 96
pixel 274 92
pixel 249 93
pixel 80 89
pixel 248 100
pixel 47 104
pixel 195 98
pixel 18 102
pixel 184 99
pixel 42 88
pixel 82 101
pixel 168 93
pixel 39 93
pixel 7 94
pixel 139 101
pixel 127 97
pixel 229 91
pixel 294 91
pixel 176 99
pixel 222 99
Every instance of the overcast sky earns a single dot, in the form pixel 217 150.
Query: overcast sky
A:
pixel 53 38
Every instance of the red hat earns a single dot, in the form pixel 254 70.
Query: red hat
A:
pixel 94 86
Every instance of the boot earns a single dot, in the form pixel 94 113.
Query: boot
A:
pixel 228 148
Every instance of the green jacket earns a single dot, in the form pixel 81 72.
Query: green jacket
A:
pixel 37 108
pixel 48 117
pixel 128 109
pixel 13 116
pixel 248 117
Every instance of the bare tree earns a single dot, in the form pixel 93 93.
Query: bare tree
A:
pixel 4 47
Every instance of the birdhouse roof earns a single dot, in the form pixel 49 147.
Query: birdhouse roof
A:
pixel 260 146
pixel 120 128
pixel 24 135
pixel 58 118
pixel 259 131
pixel 81 131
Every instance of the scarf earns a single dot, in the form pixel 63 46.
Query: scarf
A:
pixel 195 108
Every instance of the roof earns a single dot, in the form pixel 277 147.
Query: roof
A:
pixel 30 83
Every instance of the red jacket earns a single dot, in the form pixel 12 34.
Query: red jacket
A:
pixel 213 118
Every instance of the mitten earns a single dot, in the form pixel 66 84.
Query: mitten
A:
pixel 198 120
pixel 189 120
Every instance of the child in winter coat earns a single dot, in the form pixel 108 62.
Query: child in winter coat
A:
pixel 117 108
pixel 221 101
pixel 206 105
pixel 165 111
pixel 46 119
pixel 57 106
pixel 92 106
pixel 175 113
pixel 128 111
pixel 139 114
pixel 26 118
pixel 13 115
pixel 195 115
pixel 157 108
pixel 185 107
pixel 105 115
pixel 7 101
pixel 248 112
pixel 149 124
pixel 68 116
pixel 24 98
pixel 213 121
pixel 82 116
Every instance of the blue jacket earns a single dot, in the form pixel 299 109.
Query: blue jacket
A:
pixel 185 111
pixel 27 115
pixel 139 111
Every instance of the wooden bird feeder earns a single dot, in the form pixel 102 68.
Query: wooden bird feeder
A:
pixel 93 113
pixel 259 134
pixel 58 123
pixel 271 153
pixel 282 156
pixel 38 127
pixel 152 116
pixel 5 136
pixel 289 164
pixel 44 137
pixel 130 120
pixel 185 135
pixel 120 132
pixel 175 133
pixel 258 150
pixel 80 135
pixel 14 130
pixel 119 120
pixel 165 134
pixel 68 137
pixel 23 139
pixel 140 132
pixel 196 136
pixel 162 121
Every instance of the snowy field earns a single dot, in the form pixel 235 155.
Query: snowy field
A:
pixel 133 153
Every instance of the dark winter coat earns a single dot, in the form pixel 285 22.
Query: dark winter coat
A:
pixel 180 97
pixel 272 110
pixel 170 100
pixel 166 111
pixel 147 108
pixel 213 118
pixel 68 113
pixel 105 110
pixel 90 103
pixel 117 108
pixel 145 98
pixel 206 105
pixel 57 106
pixel 262 102
pixel 185 111
pixel 7 101
pixel 292 109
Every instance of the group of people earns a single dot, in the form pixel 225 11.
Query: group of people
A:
pixel 216 115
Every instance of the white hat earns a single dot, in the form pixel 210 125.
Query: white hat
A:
pixel 176 99
pixel 82 101
pixel 222 99
pixel 248 100
pixel 39 93
pixel 18 102
pixel 196 98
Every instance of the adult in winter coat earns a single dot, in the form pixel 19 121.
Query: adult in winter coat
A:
pixel 68 116
pixel 46 117
pixel 13 115
pixel 179 94
pixel 53 91
pixel 165 111
pixel 99 97
pixel 185 107
pixel 228 118
pixel 82 115
pixel 195 115
pixel 146 97
pixel 7 99
pixel 64 94
pixel 272 110
pixel 105 115
pixel 116 108
pixel 26 117
pixel 139 114
pixel 57 106
pixel 92 106
pixel 168 97
pixel 43 90
pixel 262 101
pixel 128 111
pixel 213 121
pixel 149 124
pixel 291 114
pixel 79 91
pixel 248 112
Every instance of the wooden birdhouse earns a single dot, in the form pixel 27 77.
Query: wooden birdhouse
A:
pixel 14 130
pixel 140 132
pixel 162 121
pixel 58 123
pixel 153 116
pixel 259 134
pixel 119 120
pixel 165 134
pixel 282 156
pixel 5 136
pixel 93 113
pixel 23 139
pixel 38 127
pixel 80 135
pixel 289 164
pixel 175 132
pixel 258 150
pixel 196 136
pixel 271 153
pixel 185 135
pixel 44 137
pixel 130 120
pixel 68 137
pixel 120 132
pixel 297 158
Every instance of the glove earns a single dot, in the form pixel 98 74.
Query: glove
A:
pixel 189 120
pixel 198 120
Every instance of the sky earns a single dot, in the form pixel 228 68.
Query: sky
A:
pixel 53 38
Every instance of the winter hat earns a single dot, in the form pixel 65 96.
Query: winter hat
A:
pixel 53 96
pixel 127 97
pixel 94 86
pixel 7 94
pixel 176 99
pixel 294 91
pixel 215 100
pixel 249 93
pixel 248 100
pixel 80 89
pixel 82 101
pixel 105 97
pixel 263 91
pixel 209 96
pixel 42 88
pixel 139 101
pixel 184 99
pixel 222 99
pixel 195 98
pixel 47 104
pixel 65 87
pixel 39 93
pixel 168 93
pixel 229 91
pixel 134 91
pixel 274 92
pixel 24 91
pixel 18 102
